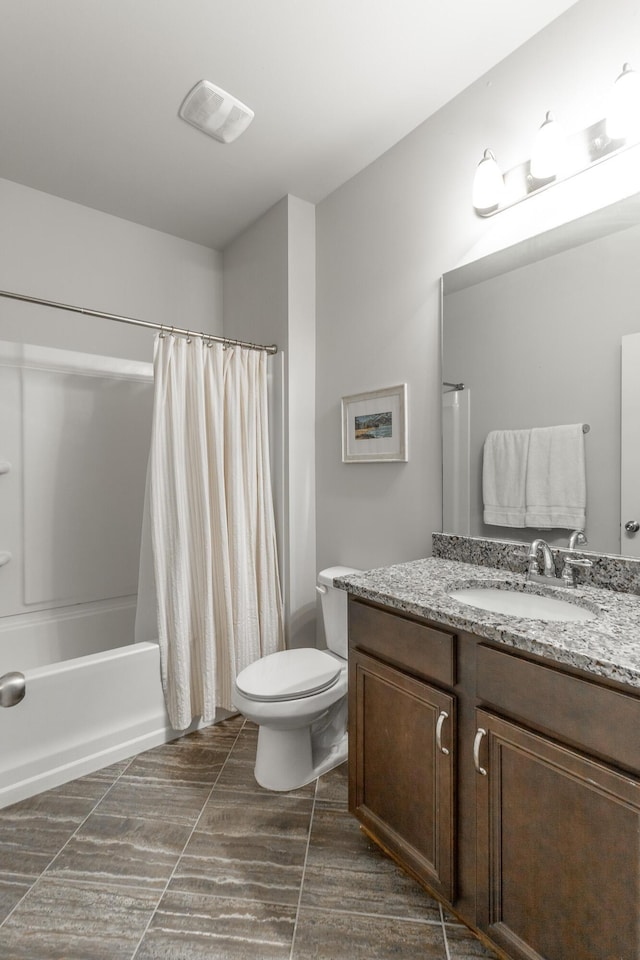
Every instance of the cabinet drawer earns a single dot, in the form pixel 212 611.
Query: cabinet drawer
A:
pixel 421 650
pixel 594 717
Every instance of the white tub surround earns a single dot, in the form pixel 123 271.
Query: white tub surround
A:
pixel 73 445
pixel 75 430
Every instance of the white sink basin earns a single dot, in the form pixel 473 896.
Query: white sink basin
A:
pixel 515 603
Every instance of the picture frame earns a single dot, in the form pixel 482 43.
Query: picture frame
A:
pixel 374 426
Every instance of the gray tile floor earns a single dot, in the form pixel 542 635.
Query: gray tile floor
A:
pixel 177 854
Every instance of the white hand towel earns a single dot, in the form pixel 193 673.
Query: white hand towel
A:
pixel 504 470
pixel 556 488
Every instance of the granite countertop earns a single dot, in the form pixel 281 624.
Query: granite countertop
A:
pixel 608 645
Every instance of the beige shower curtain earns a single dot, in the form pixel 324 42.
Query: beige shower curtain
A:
pixel 212 524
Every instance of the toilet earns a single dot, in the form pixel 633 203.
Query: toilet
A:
pixel 298 698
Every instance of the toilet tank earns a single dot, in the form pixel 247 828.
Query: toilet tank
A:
pixel 334 609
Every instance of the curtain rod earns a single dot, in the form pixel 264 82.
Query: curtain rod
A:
pixel 163 328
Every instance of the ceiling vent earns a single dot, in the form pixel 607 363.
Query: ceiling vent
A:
pixel 215 112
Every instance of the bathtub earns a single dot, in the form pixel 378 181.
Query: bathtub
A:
pixel 74 445
pixel 93 696
pixel 73 461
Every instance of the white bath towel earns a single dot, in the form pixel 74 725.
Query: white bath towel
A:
pixel 504 471
pixel 556 488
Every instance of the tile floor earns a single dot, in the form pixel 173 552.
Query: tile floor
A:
pixel 177 854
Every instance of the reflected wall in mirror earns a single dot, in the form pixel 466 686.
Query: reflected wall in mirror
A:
pixel 534 332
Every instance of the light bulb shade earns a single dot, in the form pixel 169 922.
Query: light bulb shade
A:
pixel 547 155
pixel 623 113
pixel 488 184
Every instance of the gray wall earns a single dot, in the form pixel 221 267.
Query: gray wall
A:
pixel 57 250
pixel 387 235
pixel 255 280
pixel 269 297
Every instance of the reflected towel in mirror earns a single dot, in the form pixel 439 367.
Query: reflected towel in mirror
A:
pixel 504 473
pixel 556 486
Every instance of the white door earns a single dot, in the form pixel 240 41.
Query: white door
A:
pixel 630 447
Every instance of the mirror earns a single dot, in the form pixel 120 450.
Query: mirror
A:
pixel 534 333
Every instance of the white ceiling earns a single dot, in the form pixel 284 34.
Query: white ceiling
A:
pixel 90 90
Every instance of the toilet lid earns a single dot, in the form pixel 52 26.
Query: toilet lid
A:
pixel 289 675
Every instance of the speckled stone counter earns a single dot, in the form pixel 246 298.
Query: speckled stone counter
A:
pixel 609 571
pixel 608 645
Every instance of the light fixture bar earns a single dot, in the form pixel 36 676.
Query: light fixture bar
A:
pixel 556 158
pixel 587 148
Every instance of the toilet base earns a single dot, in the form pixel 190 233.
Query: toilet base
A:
pixel 288 759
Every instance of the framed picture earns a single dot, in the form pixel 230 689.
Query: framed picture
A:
pixel 374 426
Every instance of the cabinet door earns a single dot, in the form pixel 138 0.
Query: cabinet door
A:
pixel 558 849
pixel 402 733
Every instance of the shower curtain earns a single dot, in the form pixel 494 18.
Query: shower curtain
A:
pixel 212 525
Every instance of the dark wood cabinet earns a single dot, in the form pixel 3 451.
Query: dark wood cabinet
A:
pixel 507 784
pixel 558 849
pixel 403 784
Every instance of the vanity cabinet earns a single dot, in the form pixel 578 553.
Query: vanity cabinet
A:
pixel 396 715
pixel 520 808
pixel 408 806
pixel 558 849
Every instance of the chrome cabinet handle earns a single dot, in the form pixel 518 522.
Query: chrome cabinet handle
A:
pixel 632 526
pixel 441 719
pixel 480 733
pixel 12 688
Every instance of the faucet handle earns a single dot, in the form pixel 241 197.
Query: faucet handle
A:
pixel 570 564
pixel 578 562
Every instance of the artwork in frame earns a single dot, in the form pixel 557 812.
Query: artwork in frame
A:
pixel 374 426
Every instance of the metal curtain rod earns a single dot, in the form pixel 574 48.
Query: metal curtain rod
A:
pixel 229 341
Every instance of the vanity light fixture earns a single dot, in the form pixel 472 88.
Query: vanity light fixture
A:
pixel 488 184
pixel 556 157
pixel 548 150
pixel 623 114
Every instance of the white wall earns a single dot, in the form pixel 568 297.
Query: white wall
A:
pixel 57 250
pixel 269 297
pixel 386 236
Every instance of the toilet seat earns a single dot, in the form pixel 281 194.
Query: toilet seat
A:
pixel 289 675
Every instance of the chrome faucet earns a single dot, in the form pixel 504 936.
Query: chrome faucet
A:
pixel 547 559
pixel 570 566
pixel 577 538
pixel 573 564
